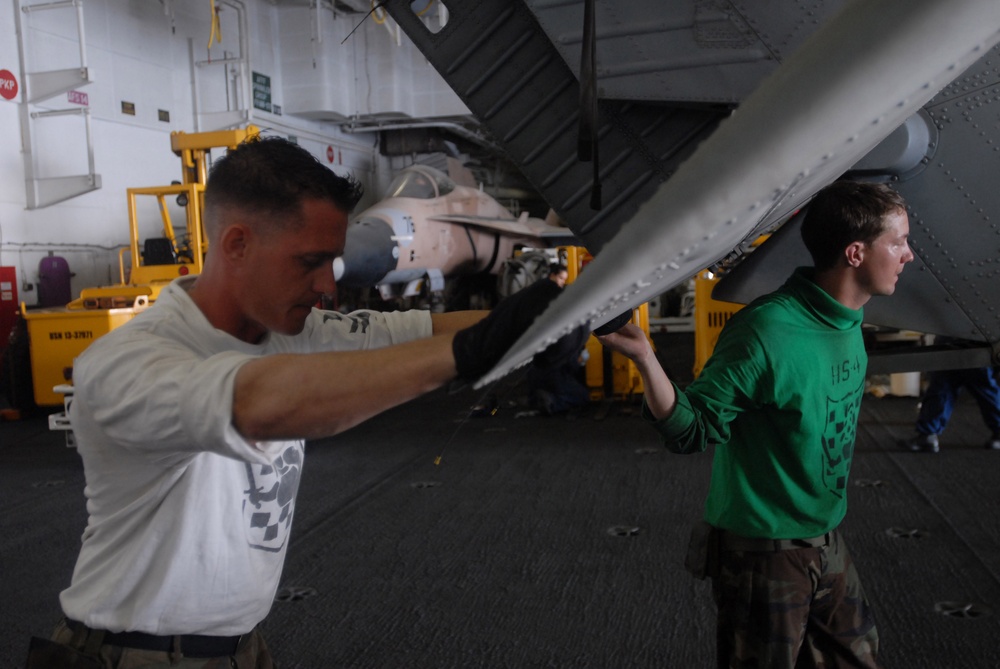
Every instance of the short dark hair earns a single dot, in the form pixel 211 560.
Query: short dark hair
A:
pixel 846 212
pixel 273 176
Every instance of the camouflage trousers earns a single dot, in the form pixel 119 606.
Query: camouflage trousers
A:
pixel 84 650
pixel 801 608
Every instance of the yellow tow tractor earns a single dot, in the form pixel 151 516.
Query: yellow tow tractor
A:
pixel 56 335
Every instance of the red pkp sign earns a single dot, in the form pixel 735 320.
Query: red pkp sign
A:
pixel 8 85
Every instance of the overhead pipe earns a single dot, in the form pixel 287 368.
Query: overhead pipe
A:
pixel 355 126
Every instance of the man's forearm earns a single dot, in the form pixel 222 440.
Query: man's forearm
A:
pixel 321 394
pixel 660 396
pixel 453 321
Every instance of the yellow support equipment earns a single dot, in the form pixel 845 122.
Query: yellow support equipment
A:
pixel 57 335
pixel 709 318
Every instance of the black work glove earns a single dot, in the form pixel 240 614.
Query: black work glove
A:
pixel 479 347
pixel 614 325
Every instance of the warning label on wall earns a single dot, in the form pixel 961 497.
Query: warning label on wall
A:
pixel 261 91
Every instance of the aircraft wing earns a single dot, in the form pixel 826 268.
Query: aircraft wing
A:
pixel 517 227
pixel 850 85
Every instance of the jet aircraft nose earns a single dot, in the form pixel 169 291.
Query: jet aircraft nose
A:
pixel 369 254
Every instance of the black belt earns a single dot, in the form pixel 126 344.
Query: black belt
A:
pixel 734 542
pixel 191 645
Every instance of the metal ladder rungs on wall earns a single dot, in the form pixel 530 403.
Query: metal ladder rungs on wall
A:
pixel 41 86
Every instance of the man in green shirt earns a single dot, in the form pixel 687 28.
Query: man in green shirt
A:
pixel 779 399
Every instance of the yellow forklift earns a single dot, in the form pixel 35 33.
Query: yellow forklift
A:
pixel 56 335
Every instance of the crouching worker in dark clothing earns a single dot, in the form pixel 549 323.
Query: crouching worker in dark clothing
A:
pixel 779 398
pixel 190 418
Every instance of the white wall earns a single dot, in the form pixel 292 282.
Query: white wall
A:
pixel 143 52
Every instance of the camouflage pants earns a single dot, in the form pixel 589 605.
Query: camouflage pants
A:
pixel 801 608
pixel 71 649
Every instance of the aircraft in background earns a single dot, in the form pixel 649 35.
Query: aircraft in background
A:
pixel 429 229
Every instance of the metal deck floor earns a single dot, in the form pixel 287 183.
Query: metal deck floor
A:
pixel 542 542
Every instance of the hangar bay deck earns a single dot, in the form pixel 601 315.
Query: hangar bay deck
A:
pixel 543 541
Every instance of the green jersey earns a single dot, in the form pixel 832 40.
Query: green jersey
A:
pixel 779 398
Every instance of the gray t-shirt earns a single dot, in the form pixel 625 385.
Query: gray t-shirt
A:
pixel 188 521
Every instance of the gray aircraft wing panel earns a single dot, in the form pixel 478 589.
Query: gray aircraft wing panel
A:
pixel 510 227
pixel 850 85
